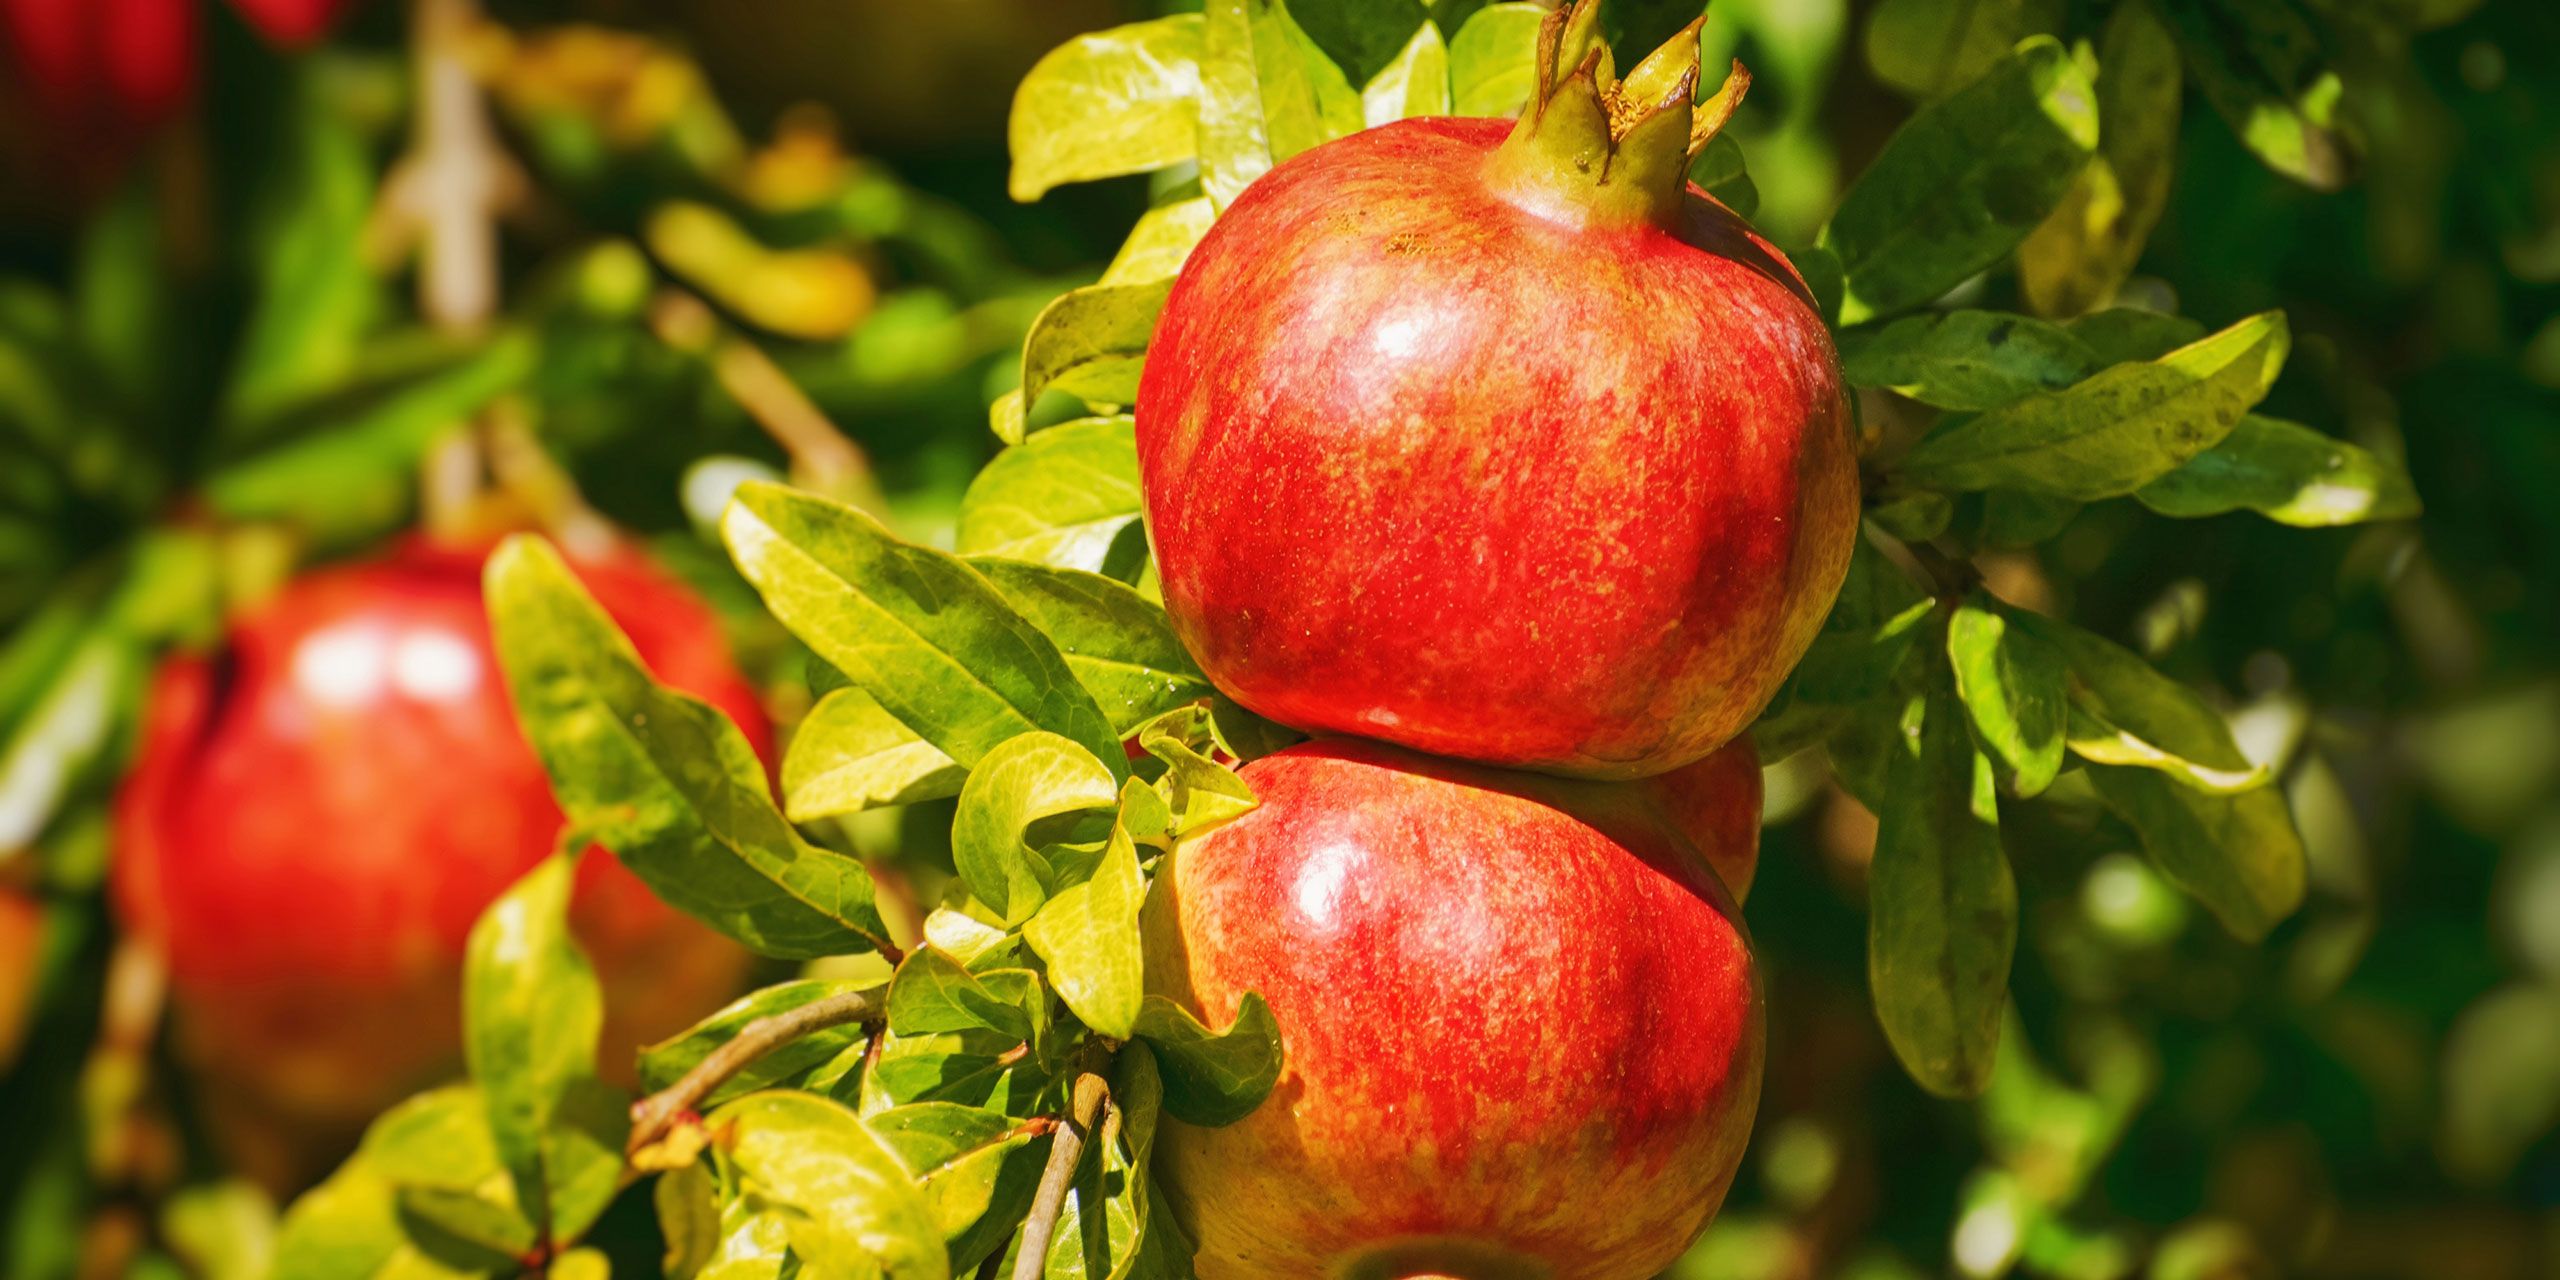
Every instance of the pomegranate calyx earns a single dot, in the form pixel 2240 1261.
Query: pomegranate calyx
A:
pixel 1596 149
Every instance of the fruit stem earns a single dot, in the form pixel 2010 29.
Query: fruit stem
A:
pixel 1593 149
pixel 653 1118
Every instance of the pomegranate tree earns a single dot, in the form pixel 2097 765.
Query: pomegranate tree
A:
pixel 1501 440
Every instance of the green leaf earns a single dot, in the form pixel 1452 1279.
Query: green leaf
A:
pixel 1926 48
pixel 1118 643
pixel 531 1013
pixel 2237 854
pixel 1267 93
pixel 664 1063
pixel 347 457
pixel 1416 83
pixel 314 297
pixel 1024 781
pixel 349 1228
pixel 1963 182
pixel 2119 334
pixel 1066 497
pixel 2011 682
pixel 1105 104
pixel 2126 713
pixel 2086 249
pixel 1088 934
pixel 689 1218
pixel 440 1163
pixel 1201 791
pixel 1092 342
pixel 2115 432
pixel 2290 474
pixel 66 731
pixel 933 992
pixel 852 1207
pixel 1493 60
pixel 1213 1078
pixel 1362 37
pixel 918 630
pixel 1723 172
pixel 979 1068
pixel 1942 908
pixel 2259 64
pixel 1161 242
pixel 850 754
pixel 662 779
pixel 978 1170
pixel 1965 359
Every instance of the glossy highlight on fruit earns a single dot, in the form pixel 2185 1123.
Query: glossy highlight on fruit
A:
pixel 320 810
pixel 1522 1024
pixel 1501 441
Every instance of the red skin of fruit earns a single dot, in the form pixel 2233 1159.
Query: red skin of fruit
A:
pixel 1425 466
pixel 1715 804
pixel 1516 1038
pixel 319 813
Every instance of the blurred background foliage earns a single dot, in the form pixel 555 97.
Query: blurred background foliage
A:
pixel 774 239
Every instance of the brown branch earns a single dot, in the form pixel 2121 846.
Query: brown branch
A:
pixel 654 1117
pixel 1092 1094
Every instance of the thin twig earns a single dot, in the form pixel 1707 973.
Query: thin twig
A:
pixel 1092 1094
pixel 822 457
pixel 654 1116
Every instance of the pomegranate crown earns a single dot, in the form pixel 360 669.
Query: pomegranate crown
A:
pixel 1593 147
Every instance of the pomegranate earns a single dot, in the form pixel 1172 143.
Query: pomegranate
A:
pixel 104 70
pixel 320 811
pixel 1501 441
pixel 1522 1023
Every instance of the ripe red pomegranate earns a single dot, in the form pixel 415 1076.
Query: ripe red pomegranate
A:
pixel 319 812
pixel 1523 1025
pixel 1501 441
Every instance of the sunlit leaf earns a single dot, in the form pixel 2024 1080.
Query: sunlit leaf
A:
pixel 1026 780
pixel 2290 474
pixel 1112 102
pixel 922 633
pixel 1117 642
pixel 1088 934
pixel 1067 496
pixel 2084 251
pixel 1267 93
pixel 1416 83
pixel 1493 60
pixel 2237 854
pixel 850 754
pixel 1162 239
pixel 531 1012
pixel 2011 682
pixel 1965 359
pixel 1961 184
pixel 1942 908
pixel 2260 65
pixel 852 1207
pixel 1091 343
pixel 2115 432
pixel 933 992
pixel 662 779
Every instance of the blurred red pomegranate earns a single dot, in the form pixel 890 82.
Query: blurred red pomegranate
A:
pixel 103 69
pixel 322 808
